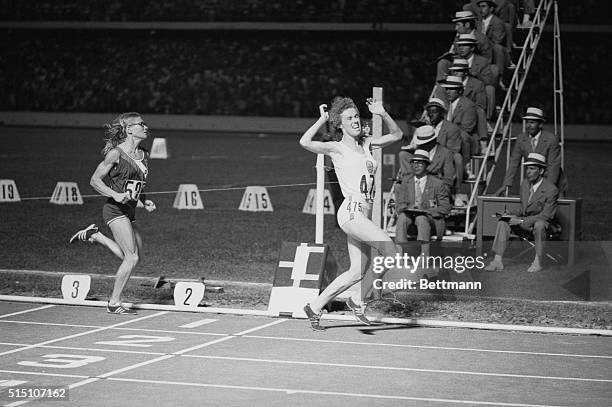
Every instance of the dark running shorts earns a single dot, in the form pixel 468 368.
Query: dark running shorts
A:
pixel 113 210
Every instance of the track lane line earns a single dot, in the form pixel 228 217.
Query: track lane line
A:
pixel 331 393
pixel 397 368
pixel 571 355
pixel 88 349
pixel 83 333
pixel 107 375
pixel 26 311
pixel 429 347
pixel 114 328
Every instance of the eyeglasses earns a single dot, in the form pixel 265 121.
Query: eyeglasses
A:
pixel 142 124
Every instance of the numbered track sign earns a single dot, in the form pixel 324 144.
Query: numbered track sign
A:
pixel 75 286
pixel 188 197
pixel 8 191
pixel 66 193
pixel 256 199
pixel 310 205
pixel 159 148
pixel 297 278
pixel 188 294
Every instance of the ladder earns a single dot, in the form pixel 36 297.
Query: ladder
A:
pixel 511 99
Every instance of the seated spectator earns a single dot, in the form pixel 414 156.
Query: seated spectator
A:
pixel 479 68
pixel 493 27
pixel 448 135
pixel 473 88
pixel 421 199
pixel 441 163
pixel 538 207
pixel 506 11
pixel 536 140
pixel 465 23
pixel 462 112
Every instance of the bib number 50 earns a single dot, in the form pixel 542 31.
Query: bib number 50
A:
pixel 134 188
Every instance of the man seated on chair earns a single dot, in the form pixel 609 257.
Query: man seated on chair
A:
pixel 441 162
pixel 538 206
pixel 536 140
pixel 423 200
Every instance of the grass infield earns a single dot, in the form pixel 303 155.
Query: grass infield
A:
pixel 220 242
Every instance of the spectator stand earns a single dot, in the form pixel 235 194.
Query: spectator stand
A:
pixel 503 124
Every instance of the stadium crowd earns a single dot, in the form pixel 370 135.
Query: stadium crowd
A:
pixel 223 73
pixel 397 11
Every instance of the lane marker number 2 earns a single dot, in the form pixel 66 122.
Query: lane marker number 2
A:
pixel 188 294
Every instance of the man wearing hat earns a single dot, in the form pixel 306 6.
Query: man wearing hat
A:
pixel 473 88
pixel 538 207
pixel 447 135
pixel 441 163
pixel 536 140
pixel 423 200
pixel 461 112
pixel 479 68
pixel 465 23
pixel 493 27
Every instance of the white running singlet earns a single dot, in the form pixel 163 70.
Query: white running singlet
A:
pixel 355 172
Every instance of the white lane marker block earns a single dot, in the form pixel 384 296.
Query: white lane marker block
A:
pixel 188 294
pixel 66 193
pixel 196 324
pixel 310 205
pixel 256 199
pixel 188 197
pixel 159 148
pixel 8 191
pixel 75 287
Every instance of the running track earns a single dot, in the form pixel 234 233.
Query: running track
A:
pixel 166 358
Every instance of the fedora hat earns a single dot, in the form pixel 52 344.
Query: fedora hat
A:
pixel 436 102
pixel 452 82
pixel 421 155
pixel 424 134
pixel 459 64
pixel 464 16
pixel 534 113
pixel 466 39
pixel 535 159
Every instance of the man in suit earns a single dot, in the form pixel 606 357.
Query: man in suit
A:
pixel 447 135
pixel 462 112
pixel 423 200
pixel 536 140
pixel 538 207
pixel 465 23
pixel 493 27
pixel 441 163
pixel 479 68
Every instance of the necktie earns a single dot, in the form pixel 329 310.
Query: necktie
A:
pixel 531 192
pixel 533 143
pixel 418 197
pixel 449 116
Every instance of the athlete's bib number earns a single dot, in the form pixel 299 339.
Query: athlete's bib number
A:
pixel 353 207
pixel 367 191
pixel 134 188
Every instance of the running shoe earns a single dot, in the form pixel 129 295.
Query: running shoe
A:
pixel 84 234
pixel 120 309
pixel 358 311
pixel 315 319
